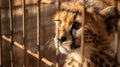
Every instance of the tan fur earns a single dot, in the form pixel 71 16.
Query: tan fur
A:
pixel 94 22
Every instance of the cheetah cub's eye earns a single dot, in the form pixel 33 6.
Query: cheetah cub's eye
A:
pixel 76 25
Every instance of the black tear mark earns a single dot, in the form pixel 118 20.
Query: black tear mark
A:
pixel 73 45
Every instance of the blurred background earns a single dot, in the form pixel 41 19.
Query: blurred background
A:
pixel 46 32
pixel 15 55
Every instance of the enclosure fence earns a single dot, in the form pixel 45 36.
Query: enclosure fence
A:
pixel 9 37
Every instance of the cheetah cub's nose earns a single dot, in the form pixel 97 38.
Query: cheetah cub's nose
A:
pixel 62 39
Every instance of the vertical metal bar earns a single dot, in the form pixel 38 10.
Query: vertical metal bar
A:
pixel 1 39
pixel 117 43
pixel 23 17
pixel 38 31
pixel 82 37
pixel 57 50
pixel 116 3
pixel 26 61
pixel 11 32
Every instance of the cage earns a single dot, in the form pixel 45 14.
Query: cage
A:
pixel 25 27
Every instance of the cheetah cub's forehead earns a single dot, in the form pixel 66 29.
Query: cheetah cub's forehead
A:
pixel 70 13
pixel 67 17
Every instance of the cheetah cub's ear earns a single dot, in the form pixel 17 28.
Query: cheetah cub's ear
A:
pixel 108 11
pixel 111 17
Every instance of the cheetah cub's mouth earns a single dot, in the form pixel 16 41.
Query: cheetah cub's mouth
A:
pixel 66 47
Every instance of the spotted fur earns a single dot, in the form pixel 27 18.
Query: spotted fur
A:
pixel 97 49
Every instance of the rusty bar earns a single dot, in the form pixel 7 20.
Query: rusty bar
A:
pixel 82 37
pixel 11 32
pixel 59 3
pixel 57 50
pixel 1 39
pixel 116 4
pixel 117 43
pixel 38 32
pixel 26 61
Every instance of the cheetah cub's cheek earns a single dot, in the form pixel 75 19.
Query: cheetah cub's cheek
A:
pixel 78 33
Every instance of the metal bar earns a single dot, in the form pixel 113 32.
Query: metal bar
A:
pixel 116 3
pixel 117 43
pixel 1 39
pixel 16 44
pixel 59 3
pixel 26 60
pixel 82 37
pixel 38 32
pixel 57 50
pixel 11 32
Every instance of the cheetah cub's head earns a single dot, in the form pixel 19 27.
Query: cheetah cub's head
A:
pixel 68 26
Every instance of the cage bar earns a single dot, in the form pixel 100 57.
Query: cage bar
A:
pixel 38 32
pixel 57 50
pixel 82 37
pixel 1 59
pixel 26 60
pixel 116 4
pixel 117 43
pixel 11 33
pixel 39 55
